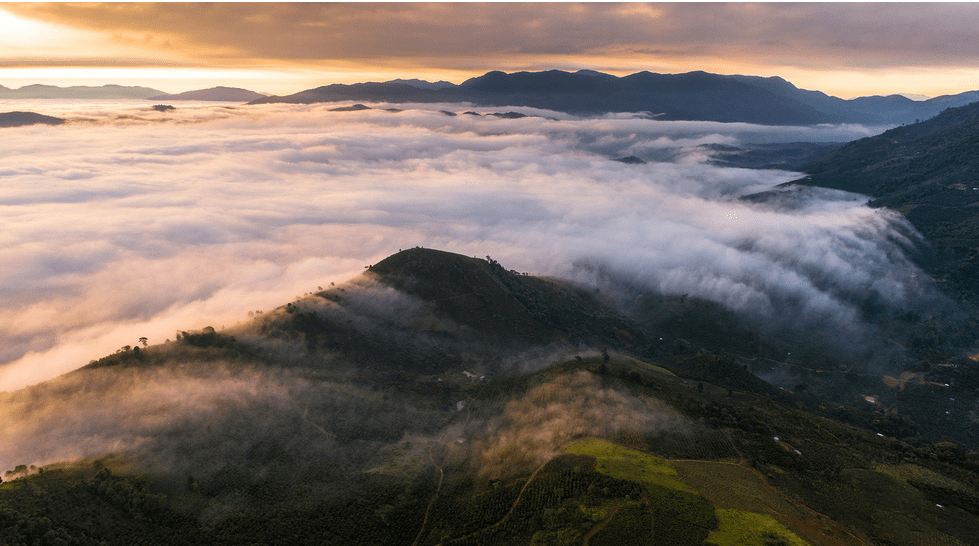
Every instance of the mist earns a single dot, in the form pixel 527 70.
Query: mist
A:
pixel 533 427
pixel 126 222
pixel 219 426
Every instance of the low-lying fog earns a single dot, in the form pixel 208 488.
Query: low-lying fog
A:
pixel 128 222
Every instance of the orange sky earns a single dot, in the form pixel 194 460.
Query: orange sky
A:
pixel 845 49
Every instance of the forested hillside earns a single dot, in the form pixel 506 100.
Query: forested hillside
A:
pixel 441 399
pixel 928 171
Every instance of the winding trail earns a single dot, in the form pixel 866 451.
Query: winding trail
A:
pixel 509 512
pixel 434 497
pixel 594 530
pixel 317 427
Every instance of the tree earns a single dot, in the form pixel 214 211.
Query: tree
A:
pixel 144 341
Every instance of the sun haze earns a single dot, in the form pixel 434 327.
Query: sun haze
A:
pixel 841 48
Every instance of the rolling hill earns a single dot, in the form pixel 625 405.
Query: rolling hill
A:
pixel 443 399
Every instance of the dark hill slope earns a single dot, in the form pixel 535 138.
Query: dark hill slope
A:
pixel 427 311
pixel 376 92
pixel 18 119
pixel 502 304
pixel 928 171
pixel 358 415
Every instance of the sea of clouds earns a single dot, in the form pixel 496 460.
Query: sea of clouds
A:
pixel 127 222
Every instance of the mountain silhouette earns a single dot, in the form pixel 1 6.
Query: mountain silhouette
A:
pixel 17 119
pixel 110 91
pixel 690 96
pixel 235 94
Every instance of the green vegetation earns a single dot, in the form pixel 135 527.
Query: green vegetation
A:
pixel 328 421
pixel 675 513
pixel 737 528
pixel 628 464
pixel 633 524
pixel 914 474
pixel 82 506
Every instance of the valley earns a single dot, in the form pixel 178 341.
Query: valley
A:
pixel 710 351
pixel 478 274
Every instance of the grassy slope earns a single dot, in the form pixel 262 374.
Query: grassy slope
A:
pixel 734 526
pixel 628 464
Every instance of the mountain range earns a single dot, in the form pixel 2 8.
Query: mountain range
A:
pixel 690 96
pixel 108 92
pixel 78 92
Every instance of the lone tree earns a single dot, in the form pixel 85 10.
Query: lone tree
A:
pixel 144 341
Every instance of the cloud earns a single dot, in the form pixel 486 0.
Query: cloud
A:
pixel 827 36
pixel 192 420
pixel 126 222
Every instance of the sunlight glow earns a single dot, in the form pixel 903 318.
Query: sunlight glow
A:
pixel 20 37
pixel 176 79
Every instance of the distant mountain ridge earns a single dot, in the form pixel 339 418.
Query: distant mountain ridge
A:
pixel 78 92
pixel 423 84
pixel 690 96
pixel 695 96
pixel 220 93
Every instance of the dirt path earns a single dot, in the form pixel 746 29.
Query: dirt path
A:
pixel 317 427
pixel 594 530
pixel 434 497
pixel 509 512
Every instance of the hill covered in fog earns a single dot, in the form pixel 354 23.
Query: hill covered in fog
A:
pixel 443 399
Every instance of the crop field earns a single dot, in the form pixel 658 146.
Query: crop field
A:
pixel 733 488
pixel 738 528
pixel 628 464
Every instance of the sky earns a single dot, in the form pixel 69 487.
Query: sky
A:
pixel 844 49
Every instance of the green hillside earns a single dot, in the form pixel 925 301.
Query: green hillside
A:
pixel 439 399
pixel 927 171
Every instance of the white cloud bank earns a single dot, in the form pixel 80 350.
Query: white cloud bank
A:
pixel 128 222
